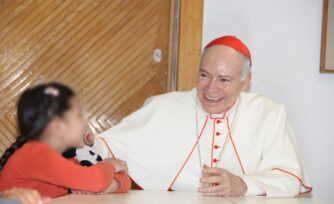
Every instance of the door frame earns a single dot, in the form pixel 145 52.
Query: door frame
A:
pixel 186 25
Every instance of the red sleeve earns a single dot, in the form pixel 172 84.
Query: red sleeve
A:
pixel 49 166
pixel 124 182
pixel 73 160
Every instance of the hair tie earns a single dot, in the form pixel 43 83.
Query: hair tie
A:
pixel 51 91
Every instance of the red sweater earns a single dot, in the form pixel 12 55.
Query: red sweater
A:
pixel 35 165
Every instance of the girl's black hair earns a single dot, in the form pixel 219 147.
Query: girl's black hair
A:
pixel 37 106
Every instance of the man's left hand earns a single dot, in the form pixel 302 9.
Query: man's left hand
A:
pixel 221 183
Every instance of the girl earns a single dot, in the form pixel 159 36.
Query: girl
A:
pixel 50 122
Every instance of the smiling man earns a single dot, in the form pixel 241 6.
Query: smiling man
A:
pixel 216 139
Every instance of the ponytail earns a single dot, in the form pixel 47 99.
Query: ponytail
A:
pixel 20 140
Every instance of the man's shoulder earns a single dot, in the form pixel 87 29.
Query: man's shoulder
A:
pixel 260 107
pixel 171 104
pixel 260 101
pixel 173 98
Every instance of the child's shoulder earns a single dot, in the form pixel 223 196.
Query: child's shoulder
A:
pixel 31 149
pixel 35 146
pixel 25 157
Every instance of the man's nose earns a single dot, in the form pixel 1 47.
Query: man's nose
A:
pixel 213 85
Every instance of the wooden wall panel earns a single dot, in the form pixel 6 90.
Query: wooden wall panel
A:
pixel 101 48
pixel 190 43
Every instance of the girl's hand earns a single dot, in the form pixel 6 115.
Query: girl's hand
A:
pixel 120 165
pixel 26 196
pixel 112 188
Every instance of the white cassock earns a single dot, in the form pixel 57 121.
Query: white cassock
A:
pixel 166 141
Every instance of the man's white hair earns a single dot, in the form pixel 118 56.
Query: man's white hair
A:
pixel 246 68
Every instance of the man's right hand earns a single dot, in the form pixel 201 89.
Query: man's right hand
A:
pixel 120 165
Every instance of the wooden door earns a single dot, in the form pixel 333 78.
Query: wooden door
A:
pixel 101 48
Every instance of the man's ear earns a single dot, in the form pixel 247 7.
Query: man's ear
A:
pixel 246 82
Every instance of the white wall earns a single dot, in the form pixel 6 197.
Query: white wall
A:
pixel 284 38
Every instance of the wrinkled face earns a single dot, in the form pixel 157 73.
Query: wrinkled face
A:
pixel 75 125
pixel 219 82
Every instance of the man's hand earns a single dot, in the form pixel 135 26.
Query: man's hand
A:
pixel 120 165
pixel 223 183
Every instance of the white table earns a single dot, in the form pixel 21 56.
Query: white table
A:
pixel 161 197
